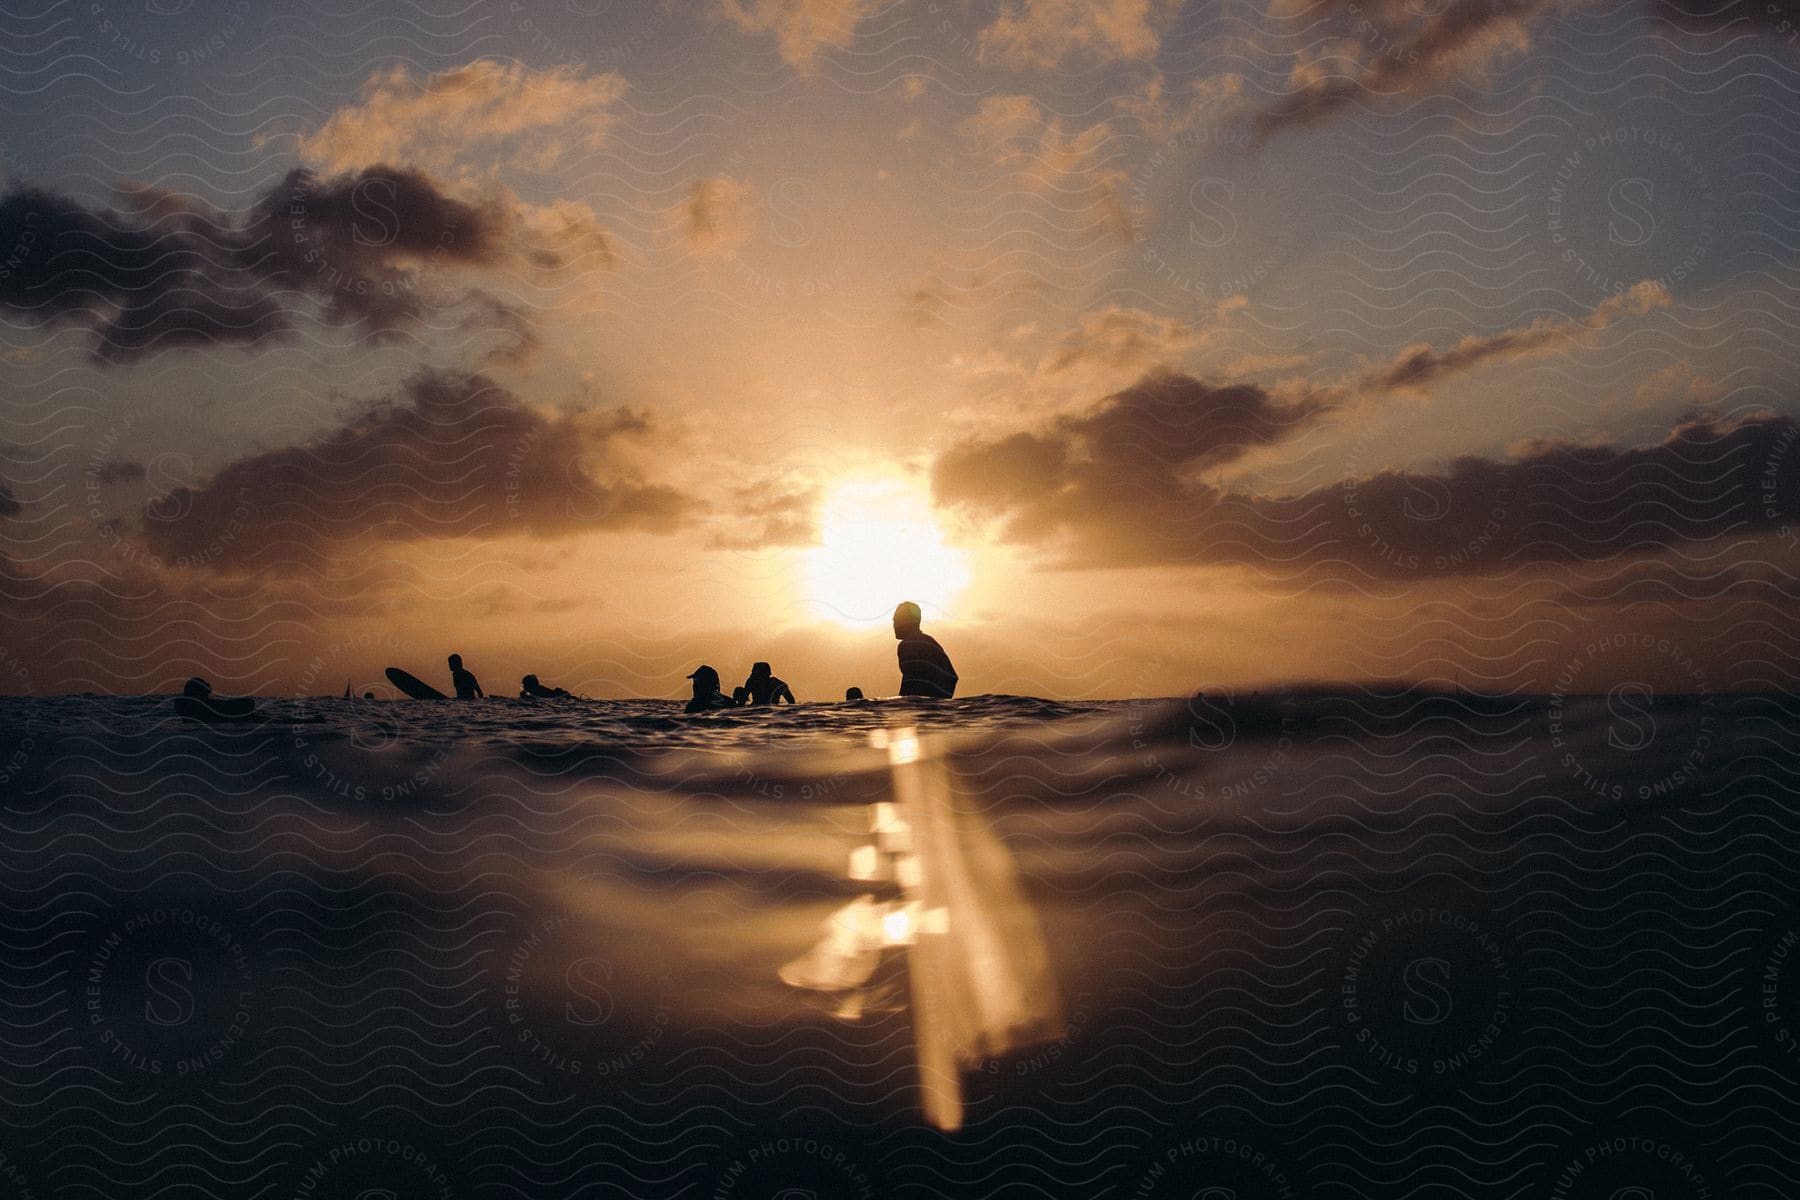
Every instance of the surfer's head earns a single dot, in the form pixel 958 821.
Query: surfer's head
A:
pixel 529 682
pixel 196 687
pixel 906 618
pixel 456 662
pixel 759 669
pixel 706 680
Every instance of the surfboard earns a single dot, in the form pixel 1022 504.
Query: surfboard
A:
pixel 413 686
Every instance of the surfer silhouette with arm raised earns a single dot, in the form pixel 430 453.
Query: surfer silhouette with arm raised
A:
pixel 467 687
pixel 925 669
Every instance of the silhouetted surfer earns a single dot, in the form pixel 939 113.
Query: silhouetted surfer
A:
pixel 197 703
pixel 925 669
pixel 467 688
pixel 764 688
pixel 531 689
pixel 707 695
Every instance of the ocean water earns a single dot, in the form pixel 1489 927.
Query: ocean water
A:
pixel 1328 941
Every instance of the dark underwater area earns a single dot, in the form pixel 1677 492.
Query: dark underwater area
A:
pixel 1312 941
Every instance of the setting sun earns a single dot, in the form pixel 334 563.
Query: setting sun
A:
pixel 878 546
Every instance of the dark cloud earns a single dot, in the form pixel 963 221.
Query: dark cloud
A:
pixel 1420 365
pixel 1132 456
pixel 1403 49
pixel 1729 16
pixel 452 456
pixel 122 626
pixel 117 470
pixel 1677 584
pixel 9 507
pixel 164 275
pixel 1131 496
pixel 366 250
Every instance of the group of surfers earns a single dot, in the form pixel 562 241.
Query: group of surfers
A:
pixel 467 687
pixel 925 670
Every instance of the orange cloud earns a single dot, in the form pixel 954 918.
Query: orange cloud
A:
pixel 716 215
pixel 1044 33
pixel 474 119
pixel 802 28
pixel 1081 171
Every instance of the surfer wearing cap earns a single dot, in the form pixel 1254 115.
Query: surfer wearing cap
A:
pixel 925 669
pixel 467 688
pixel 764 688
pixel 707 695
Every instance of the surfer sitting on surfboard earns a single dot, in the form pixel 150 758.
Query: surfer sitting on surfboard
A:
pixel 925 669
pixel 463 681
pixel 707 695
pixel 764 688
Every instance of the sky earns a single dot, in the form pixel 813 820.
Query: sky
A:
pixel 1149 346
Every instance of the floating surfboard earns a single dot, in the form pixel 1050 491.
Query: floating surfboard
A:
pixel 413 686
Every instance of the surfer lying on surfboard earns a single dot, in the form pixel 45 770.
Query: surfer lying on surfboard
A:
pixel 531 689
pixel 197 703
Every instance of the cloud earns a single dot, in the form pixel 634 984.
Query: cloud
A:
pixel 1129 463
pixel 1042 34
pixel 777 518
pixel 1394 48
pixel 717 215
pixel 802 28
pixel 1121 487
pixel 160 274
pixel 1418 366
pixel 1731 16
pixel 451 456
pixel 473 129
pixel 481 117
pixel 372 250
pixel 1677 583
pixel 1119 337
pixel 1082 172
pixel 115 470
pixel 935 295
pixel 9 507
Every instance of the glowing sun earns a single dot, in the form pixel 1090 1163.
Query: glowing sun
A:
pixel 879 546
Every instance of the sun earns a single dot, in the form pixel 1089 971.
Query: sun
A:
pixel 879 546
